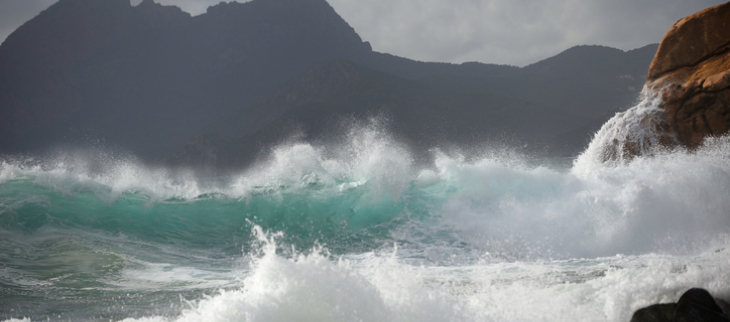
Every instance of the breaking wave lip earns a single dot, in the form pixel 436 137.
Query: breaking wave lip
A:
pixel 368 155
pixel 666 202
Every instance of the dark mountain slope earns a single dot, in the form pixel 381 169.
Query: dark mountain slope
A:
pixel 147 77
pixel 314 105
pixel 590 82
pixel 63 67
pixel 581 80
pixel 412 69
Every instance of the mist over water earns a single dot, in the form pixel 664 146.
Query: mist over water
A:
pixel 357 231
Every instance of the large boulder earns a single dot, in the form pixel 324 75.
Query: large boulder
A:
pixel 686 95
pixel 655 313
pixel 695 305
pixel 691 70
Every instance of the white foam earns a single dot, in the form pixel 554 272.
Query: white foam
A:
pixel 633 126
pixel 383 287
pixel 668 203
pixel 368 154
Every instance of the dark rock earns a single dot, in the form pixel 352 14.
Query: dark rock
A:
pixel 697 305
pixel 655 313
pixel 725 306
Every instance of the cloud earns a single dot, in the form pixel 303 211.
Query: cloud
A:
pixel 516 32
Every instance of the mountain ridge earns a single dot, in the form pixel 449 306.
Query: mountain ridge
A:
pixel 147 78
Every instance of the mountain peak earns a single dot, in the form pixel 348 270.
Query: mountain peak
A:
pixel 80 63
pixel 158 16
pixel 222 7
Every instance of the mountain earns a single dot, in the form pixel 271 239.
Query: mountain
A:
pixel 152 80
pixel 591 83
pixel 142 77
pixel 314 105
pixel 553 106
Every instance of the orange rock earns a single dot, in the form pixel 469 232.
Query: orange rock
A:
pixel 693 39
pixel 692 70
pixel 717 82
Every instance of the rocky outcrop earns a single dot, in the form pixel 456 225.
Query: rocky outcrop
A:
pixel 686 97
pixel 691 70
pixel 695 305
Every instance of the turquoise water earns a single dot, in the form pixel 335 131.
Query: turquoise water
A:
pixel 359 232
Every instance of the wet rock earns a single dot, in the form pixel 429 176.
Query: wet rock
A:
pixel 695 305
pixel 691 70
pixel 655 313
pixel 691 40
pixel 725 306
pixel 686 97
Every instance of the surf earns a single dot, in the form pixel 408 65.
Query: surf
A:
pixel 358 230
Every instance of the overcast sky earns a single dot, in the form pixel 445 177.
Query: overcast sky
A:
pixel 515 32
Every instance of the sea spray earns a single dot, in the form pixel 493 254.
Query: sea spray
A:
pixel 631 133
pixel 382 286
pixel 653 204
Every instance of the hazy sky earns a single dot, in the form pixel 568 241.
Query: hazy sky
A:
pixel 516 32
